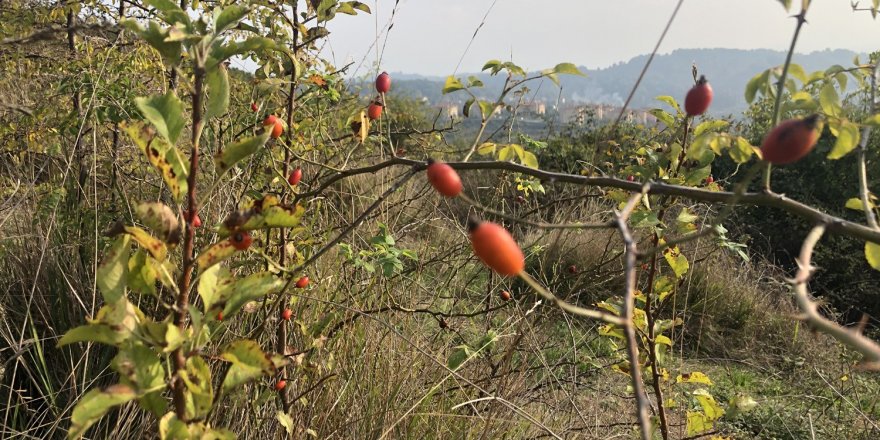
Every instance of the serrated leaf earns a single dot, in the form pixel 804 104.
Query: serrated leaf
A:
pixel 238 151
pixel 142 275
pixel 267 213
pixel 157 38
pixel 285 420
pixel 162 155
pixel 487 148
pixel 847 140
pixel 218 92
pixel 755 84
pixel 644 219
pixel 112 274
pixel 494 65
pixel 711 408
pixel 140 367
pixel 663 116
pixel 94 404
pixel 452 84
pixel 473 81
pixel 248 363
pixel 211 282
pixel 165 112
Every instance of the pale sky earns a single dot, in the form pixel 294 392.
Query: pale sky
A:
pixel 430 36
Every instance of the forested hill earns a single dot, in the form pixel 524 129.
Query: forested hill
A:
pixel 728 70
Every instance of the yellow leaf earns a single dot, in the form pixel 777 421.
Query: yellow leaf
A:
pixel 694 377
pixel 872 253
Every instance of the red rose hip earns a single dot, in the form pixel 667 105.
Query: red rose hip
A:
pixel 698 98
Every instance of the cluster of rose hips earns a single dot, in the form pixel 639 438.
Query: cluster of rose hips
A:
pixel 383 85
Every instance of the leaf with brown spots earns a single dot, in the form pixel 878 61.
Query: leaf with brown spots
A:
pixel 215 254
pixel 161 219
pixel 248 362
pixel 151 244
pixel 163 156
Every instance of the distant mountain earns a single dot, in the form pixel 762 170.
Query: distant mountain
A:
pixel 728 70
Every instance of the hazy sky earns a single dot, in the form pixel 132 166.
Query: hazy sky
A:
pixel 430 36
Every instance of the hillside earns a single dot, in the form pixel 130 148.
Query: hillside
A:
pixel 728 70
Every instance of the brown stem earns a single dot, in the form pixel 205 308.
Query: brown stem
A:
pixel 182 308
pixel 652 347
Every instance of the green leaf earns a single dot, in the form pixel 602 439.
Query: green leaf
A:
pixel 706 126
pixel 142 274
pixel 171 428
pixel 211 281
pixel 112 273
pixel 250 288
pixel 486 108
pixel 663 116
pixel 756 83
pixel 169 11
pixel 466 110
pixel 165 112
pixel 872 254
pixel 677 261
pixel 644 219
pixel 494 65
pixel 234 153
pixel 847 140
pixel 158 38
pixel 140 367
pixel 218 92
pixel 568 69
pixel 670 101
pixel 473 81
pixel 873 120
pixel 94 405
pixel 452 85
pixel 741 150
pixel 221 52
pixel 829 100
pixel 697 149
pixel 796 71
pixel 197 377
pixel 229 17
pixel 101 333
pixel 458 357
pixel 248 363
pixel 268 213
pixel 162 155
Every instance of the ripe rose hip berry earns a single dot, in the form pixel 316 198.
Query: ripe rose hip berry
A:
pixel 630 178
pixel 295 177
pixel 277 129
pixel 374 111
pixel 220 315
pixel 505 295
pixel 383 82
pixel 241 240
pixel 270 120
pixel 286 314
pixel 254 106
pixel 443 178
pixel 495 247
pixel 710 180
pixel 280 384
pixel 698 98
pixel 302 283
pixel 790 141
pixel 572 269
pixel 196 221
